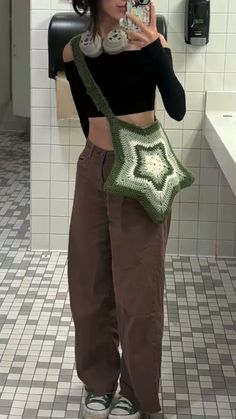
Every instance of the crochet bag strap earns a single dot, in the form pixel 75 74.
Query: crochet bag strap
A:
pixel 92 88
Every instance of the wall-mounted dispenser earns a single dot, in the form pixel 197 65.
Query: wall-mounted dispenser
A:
pixel 197 22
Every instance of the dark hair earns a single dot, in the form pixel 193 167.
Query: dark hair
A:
pixel 82 6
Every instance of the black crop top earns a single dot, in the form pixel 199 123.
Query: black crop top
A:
pixel 128 80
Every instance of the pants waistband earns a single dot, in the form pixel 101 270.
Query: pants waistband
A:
pixel 95 149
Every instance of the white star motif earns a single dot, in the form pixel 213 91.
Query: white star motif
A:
pixel 154 165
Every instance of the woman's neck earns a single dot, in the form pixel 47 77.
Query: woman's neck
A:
pixel 107 24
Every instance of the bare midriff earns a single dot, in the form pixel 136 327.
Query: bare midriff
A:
pixel 99 130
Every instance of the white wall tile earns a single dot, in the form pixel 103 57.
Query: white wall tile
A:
pixel 176 6
pixel 174 229
pixel 59 154
pixel 175 137
pixel 226 195
pixel 59 207
pixel 39 79
pixel 40 189
pixel 194 82
pixel 71 189
pixel 40 135
pixel 192 138
pixel 40 98
pixel 191 157
pixel 175 22
pixel 172 246
pixel 176 42
pixel 231 23
pixel 188 211
pixel 208 159
pixel 40 116
pixel 207 230
pixel 59 190
pixel 58 225
pixel 39 224
pixel 217 42
pixel 60 5
pixel 40 153
pixel 195 63
pixel 59 171
pixel 206 247
pixel 230 63
pixel 60 136
pixel 42 4
pixel 179 61
pixel 218 23
pixel 209 176
pixel 190 194
pixel 225 248
pixel 59 242
pixel 230 81
pixel 232 6
pixel 193 120
pixel 39 207
pixel 40 19
pixel 187 246
pixel 72 172
pixel 227 213
pixel 214 81
pixel 39 59
pixel 39 241
pixel 161 6
pixel 215 63
pixel 175 210
pixel 226 231
pixel 188 229
pixel 208 194
pixel 207 212
pixel 74 152
pixel 219 6
pixel 231 43
pixel 39 39
pixel 40 171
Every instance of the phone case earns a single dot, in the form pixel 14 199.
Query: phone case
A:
pixel 140 8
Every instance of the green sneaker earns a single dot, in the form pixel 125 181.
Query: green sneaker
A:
pixel 124 409
pixel 97 406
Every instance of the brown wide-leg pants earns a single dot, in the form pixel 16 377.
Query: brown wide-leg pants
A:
pixel 116 274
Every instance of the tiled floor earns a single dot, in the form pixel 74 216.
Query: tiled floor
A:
pixel 37 371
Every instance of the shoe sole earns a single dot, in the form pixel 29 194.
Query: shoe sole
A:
pixel 134 416
pixel 95 414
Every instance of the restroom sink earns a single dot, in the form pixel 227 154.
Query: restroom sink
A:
pixel 220 131
pixel 223 120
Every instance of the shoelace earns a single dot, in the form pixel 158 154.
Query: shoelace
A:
pixel 102 399
pixel 124 403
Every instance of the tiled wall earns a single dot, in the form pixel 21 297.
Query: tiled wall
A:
pixel 204 216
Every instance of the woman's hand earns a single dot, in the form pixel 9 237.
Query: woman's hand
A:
pixel 148 34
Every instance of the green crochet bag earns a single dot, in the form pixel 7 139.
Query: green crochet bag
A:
pixel 145 167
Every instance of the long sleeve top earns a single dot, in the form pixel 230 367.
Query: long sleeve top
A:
pixel 128 80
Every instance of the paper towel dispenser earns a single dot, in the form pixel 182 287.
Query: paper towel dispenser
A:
pixel 63 27
pixel 197 22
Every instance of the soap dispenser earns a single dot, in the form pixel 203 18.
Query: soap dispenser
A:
pixel 197 22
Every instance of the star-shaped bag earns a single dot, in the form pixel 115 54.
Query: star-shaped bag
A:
pixel 145 166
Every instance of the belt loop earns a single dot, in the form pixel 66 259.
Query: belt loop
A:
pixel 104 155
pixel 91 146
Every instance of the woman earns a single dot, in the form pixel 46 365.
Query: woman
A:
pixel 116 254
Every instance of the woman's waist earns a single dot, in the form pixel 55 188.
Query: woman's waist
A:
pixel 140 119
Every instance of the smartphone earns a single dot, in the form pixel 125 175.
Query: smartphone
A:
pixel 140 8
